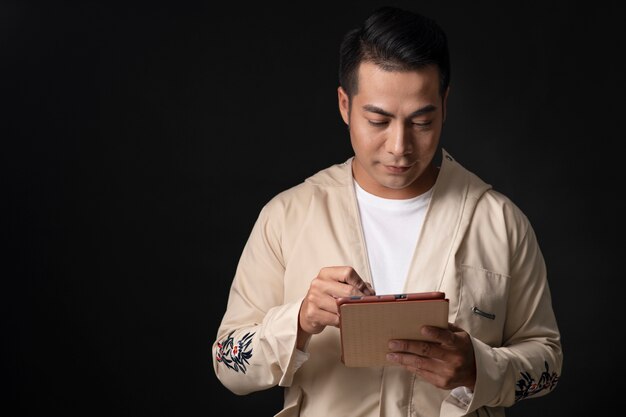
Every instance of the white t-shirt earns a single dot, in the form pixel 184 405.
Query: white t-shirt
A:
pixel 391 229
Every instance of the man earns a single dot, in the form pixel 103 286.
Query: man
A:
pixel 392 219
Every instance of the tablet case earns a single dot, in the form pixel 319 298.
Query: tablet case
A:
pixel 367 327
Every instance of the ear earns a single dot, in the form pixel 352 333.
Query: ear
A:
pixel 444 103
pixel 344 105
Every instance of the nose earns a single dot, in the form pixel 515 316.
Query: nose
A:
pixel 399 141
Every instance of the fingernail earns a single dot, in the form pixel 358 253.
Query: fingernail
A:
pixel 394 345
pixel 392 357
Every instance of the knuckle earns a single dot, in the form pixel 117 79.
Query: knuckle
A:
pixel 311 296
pixel 346 273
pixel 309 299
pixel 456 363
pixel 417 362
pixel 411 361
pixel 316 285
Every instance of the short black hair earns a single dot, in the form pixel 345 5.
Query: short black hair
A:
pixel 396 40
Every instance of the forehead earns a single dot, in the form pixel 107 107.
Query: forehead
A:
pixel 376 82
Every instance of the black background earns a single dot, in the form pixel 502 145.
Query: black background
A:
pixel 139 142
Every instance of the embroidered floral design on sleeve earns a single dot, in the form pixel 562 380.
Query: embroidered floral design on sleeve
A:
pixel 527 386
pixel 233 354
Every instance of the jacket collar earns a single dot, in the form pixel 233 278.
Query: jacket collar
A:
pixel 455 195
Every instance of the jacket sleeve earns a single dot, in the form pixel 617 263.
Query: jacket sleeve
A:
pixel 528 364
pixel 255 344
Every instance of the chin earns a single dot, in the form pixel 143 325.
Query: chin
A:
pixel 396 185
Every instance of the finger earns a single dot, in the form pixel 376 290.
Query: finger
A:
pixel 424 349
pixel 328 319
pixel 352 278
pixel 349 290
pixel 351 282
pixel 322 300
pixel 428 369
pixel 315 323
pixel 432 377
pixel 313 319
pixel 443 336
pixel 410 361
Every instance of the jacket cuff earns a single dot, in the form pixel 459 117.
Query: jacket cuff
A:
pixel 491 387
pixel 279 337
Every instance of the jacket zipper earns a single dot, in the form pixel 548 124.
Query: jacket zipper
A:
pixel 478 311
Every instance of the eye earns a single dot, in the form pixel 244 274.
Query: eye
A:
pixel 378 123
pixel 423 125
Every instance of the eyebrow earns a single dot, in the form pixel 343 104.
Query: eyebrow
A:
pixel 375 109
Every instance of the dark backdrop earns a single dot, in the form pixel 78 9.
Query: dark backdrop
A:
pixel 139 142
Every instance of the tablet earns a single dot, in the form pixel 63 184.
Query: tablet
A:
pixel 367 323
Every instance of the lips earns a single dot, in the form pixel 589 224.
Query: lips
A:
pixel 397 169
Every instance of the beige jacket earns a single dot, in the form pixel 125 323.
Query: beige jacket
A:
pixel 475 245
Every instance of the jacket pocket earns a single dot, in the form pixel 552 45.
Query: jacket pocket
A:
pixel 482 303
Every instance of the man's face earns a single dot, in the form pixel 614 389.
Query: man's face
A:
pixel 395 122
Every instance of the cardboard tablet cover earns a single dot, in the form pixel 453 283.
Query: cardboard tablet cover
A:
pixel 367 327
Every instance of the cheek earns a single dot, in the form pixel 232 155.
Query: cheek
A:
pixel 364 139
pixel 428 141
